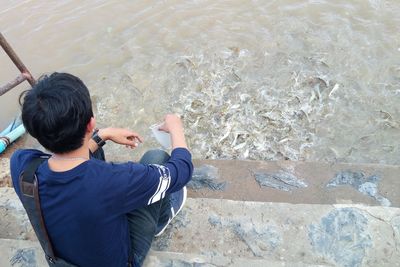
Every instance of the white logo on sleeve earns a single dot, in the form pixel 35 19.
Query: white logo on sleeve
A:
pixel 163 185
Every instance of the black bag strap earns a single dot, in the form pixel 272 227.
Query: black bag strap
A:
pixel 29 188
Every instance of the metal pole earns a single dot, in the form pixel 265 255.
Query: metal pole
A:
pixel 10 52
pixel 25 75
pixel 8 86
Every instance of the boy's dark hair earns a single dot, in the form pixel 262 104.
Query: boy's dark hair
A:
pixel 56 112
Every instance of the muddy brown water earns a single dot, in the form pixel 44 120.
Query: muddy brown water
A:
pixel 290 79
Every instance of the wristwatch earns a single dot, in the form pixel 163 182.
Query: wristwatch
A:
pixel 100 142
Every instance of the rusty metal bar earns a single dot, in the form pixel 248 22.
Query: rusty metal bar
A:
pixel 25 74
pixel 8 86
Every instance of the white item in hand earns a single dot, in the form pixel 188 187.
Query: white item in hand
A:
pixel 162 137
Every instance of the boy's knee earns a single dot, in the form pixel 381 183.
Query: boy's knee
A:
pixel 155 156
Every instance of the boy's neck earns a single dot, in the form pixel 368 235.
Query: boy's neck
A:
pixel 82 152
pixel 67 161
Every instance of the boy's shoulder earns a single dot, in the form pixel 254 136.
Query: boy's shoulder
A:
pixel 22 156
pixel 19 160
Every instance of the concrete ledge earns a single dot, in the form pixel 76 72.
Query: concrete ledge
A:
pixel 298 182
pixel 288 181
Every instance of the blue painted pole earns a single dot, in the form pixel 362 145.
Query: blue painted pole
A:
pixel 11 136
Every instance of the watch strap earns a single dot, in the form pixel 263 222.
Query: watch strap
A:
pixel 99 141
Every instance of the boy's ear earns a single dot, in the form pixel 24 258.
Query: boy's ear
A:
pixel 91 125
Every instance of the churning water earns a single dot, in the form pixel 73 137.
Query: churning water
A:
pixel 289 79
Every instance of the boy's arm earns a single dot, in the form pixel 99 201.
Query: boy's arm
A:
pixel 172 124
pixel 117 135
pixel 147 184
pixel 154 182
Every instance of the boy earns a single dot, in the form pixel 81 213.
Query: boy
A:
pixel 98 213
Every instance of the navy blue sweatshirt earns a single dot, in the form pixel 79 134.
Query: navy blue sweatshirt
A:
pixel 85 208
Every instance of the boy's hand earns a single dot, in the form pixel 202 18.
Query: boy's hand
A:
pixel 121 136
pixel 173 125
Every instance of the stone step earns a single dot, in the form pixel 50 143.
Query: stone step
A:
pixel 173 259
pixel 21 253
pixel 338 235
pixel 14 223
pixel 310 234
pixel 24 253
pixel 297 182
